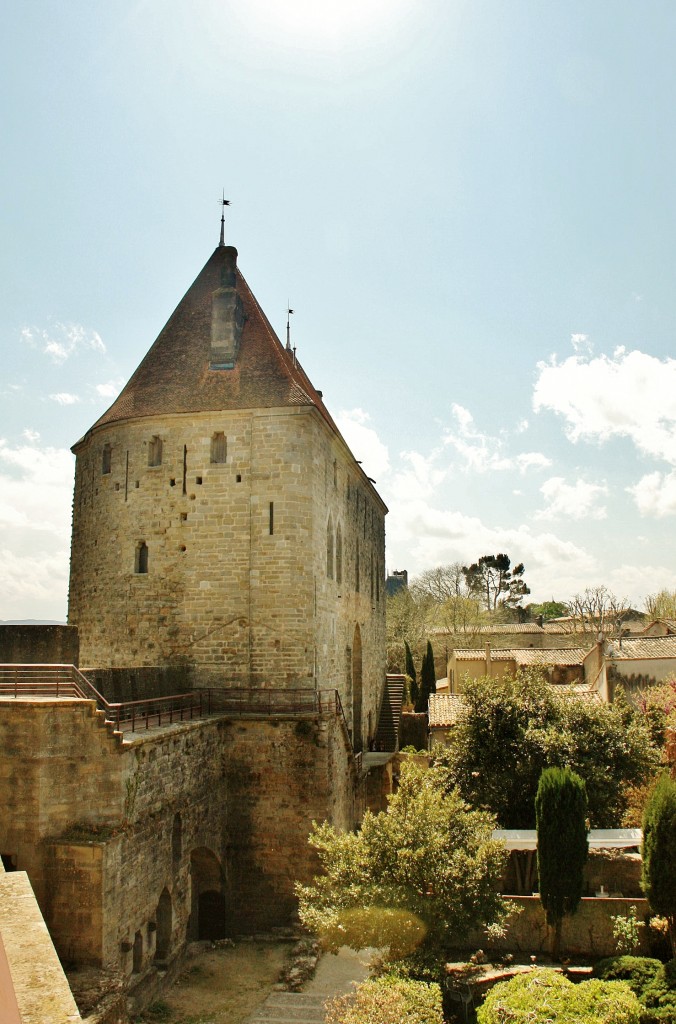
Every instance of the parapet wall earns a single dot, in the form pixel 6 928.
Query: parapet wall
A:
pixel 39 645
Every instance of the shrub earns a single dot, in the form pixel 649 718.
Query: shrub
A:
pixel 652 981
pixel 388 1000
pixel 626 931
pixel 638 971
pixel 545 997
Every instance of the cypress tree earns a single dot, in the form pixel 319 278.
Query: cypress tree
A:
pixel 560 815
pixel 410 672
pixel 659 853
pixel 428 681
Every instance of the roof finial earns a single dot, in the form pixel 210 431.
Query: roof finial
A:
pixel 289 313
pixel 223 202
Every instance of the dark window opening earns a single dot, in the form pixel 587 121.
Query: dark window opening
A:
pixel 141 560
pixel 339 555
pixel 272 518
pixel 155 451
pixel 198 479
pixel 106 459
pixel 172 482
pixel 238 478
pixel 137 484
pixel 219 447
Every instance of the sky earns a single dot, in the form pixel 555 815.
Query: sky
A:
pixel 470 207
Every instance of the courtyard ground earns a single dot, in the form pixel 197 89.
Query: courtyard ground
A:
pixel 221 986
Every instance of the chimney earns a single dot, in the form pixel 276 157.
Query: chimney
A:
pixel 227 315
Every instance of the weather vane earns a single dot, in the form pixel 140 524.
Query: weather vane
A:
pixel 289 313
pixel 223 202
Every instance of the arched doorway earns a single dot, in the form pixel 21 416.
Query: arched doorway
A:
pixel 356 690
pixel 164 919
pixel 207 917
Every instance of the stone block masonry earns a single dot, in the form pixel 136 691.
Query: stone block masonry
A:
pixel 137 846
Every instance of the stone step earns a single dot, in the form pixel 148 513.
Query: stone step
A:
pixel 290 1008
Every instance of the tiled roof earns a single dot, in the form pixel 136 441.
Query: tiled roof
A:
pixel 497 628
pixel 175 375
pixel 670 624
pixel 525 655
pixel 643 647
pixel 445 709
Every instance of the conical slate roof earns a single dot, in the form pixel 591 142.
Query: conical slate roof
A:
pixel 176 375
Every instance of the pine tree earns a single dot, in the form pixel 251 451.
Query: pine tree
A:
pixel 410 672
pixel 560 814
pixel 659 853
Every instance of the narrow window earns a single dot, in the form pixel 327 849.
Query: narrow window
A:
pixel 106 459
pixel 219 447
pixel 141 559
pixel 356 570
pixel 335 473
pixel 371 577
pixel 155 451
pixel 339 555
pixel 272 518
pixel 329 548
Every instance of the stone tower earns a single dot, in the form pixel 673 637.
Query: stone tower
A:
pixel 221 523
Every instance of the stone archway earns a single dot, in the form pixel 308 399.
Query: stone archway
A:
pixel 164 919
pixel 357 742
pixel 207 916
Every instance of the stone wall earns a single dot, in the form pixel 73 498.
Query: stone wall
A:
pixel 33 987
pixel 39 645
pixel 142 683
pixel 238 582
pixel 122 840
pixel 587 933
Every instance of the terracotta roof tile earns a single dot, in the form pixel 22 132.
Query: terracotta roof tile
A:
pixel 526 655
pixel 641 648
pixel 175 375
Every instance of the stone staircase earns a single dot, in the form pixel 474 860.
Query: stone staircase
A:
pixel 389 720
pixel 290 1008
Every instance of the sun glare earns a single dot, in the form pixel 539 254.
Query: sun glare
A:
pixel 325 22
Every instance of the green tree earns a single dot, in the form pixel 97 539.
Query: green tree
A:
pixel 420 874
pixel 548 609
pixel 661 605
pixel 659 853
pixel 493 580
pixel 428 680
pixel 513 728
pixel 410 672
pixel 560 817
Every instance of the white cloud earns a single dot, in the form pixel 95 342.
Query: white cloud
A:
pixel 36 486
pixel 482 452
pixel 581 342
pixel 364 442
pixel 110 389
pixel 30 435
pixel 65 398
pixel 572 501
pixel 630 394
pixel 61 340
pixel 655 494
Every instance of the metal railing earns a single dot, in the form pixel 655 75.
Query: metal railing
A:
pixel 29 680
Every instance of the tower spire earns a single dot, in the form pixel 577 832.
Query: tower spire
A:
pixel 223 202
pixel 289 313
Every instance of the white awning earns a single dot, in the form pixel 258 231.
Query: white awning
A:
pixel 599 838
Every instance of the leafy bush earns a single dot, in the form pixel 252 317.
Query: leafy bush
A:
pixel 653 982
pixel 388 1000
pixel 545 997
pixel 638 971
pixel 626 931
pixel 659 998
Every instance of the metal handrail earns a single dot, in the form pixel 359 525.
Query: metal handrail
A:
pixel 67 681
